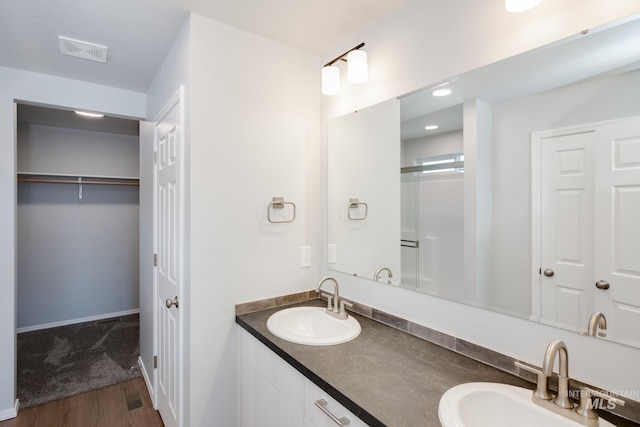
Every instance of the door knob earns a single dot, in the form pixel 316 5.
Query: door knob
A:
pixel 602 284
pixel 549 272
pixel 169 302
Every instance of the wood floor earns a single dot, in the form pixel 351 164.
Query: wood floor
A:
pixel 121 405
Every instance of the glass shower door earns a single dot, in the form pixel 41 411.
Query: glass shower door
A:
pixel 409 243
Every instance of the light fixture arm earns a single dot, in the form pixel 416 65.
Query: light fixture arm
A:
pixel 361 45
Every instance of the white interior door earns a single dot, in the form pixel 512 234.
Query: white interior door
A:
pixel 566 228
pixel 169 139
pixel 617 236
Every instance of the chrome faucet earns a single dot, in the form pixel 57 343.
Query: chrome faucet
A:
pixel 379 271
pixel 558 347
pixel 335 309
pixel 596 321
pixel 562 405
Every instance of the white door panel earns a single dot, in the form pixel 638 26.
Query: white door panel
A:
pixel 566 228
pixel 617 237
pixel 168 192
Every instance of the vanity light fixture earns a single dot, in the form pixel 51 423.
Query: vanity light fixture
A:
pixel 330 80
pixel 89 114
pixel 357 70
pixel 431 127
pixel 441 92
pixel 517 6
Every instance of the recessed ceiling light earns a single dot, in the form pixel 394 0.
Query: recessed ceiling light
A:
pixel 88 114
pixel 441 92
pixel 431 127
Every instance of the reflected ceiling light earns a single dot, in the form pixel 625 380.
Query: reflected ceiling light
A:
pixel 441 92
pixel 516 6
pixel 431 127
pixel 357 70
pixel 89 114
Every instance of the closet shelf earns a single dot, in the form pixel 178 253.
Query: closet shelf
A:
pixel 58 178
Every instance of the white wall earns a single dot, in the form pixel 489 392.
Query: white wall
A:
pixel 54 149
pixel 436 145
pixel 76 260
pixel 406 52
pixel 254 109
pixel 252 133
pixel 38 88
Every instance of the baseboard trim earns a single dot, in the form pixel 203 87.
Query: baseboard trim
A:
pixel 147 382
pixel 79 320
pixel 7 414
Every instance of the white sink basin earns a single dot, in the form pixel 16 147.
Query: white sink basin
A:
pixel 312 326
pixel 497 405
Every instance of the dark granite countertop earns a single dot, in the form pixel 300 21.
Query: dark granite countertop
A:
pixel 385 376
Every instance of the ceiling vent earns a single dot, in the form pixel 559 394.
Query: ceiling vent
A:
pixel 84 50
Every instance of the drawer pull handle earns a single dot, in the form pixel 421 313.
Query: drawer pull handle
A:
pixel 322 404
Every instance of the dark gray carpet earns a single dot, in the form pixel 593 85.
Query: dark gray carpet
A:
pixel 68 360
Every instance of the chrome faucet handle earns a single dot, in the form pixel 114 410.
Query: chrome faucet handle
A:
pixel 542 389
pixel 329 300
pixel 586 405
pixel 343 312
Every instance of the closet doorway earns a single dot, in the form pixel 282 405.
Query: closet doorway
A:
pixel 77 252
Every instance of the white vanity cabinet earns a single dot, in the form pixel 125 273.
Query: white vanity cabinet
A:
pixel 271 390
pixel 274 394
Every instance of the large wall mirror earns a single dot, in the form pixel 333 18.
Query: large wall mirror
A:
pixel 514 187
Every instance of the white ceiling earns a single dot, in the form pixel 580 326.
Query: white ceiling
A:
pixel 139 33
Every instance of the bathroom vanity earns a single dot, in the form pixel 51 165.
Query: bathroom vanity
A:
pixel 384 377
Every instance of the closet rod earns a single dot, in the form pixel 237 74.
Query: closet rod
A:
pixel 70 181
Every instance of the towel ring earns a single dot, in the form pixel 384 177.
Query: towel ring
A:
pixel 355 204
pixel 279 203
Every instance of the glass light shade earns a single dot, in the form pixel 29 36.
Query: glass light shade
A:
pixel 330 80
pixel 357 71
pixel 516 6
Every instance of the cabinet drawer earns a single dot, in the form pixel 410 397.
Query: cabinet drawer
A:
pixel 316 417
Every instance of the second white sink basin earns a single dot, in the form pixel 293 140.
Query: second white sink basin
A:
pixel 312 326
pixel 497 405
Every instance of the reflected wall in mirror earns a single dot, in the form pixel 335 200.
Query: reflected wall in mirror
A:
pixel 471 230
pixel 364 192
